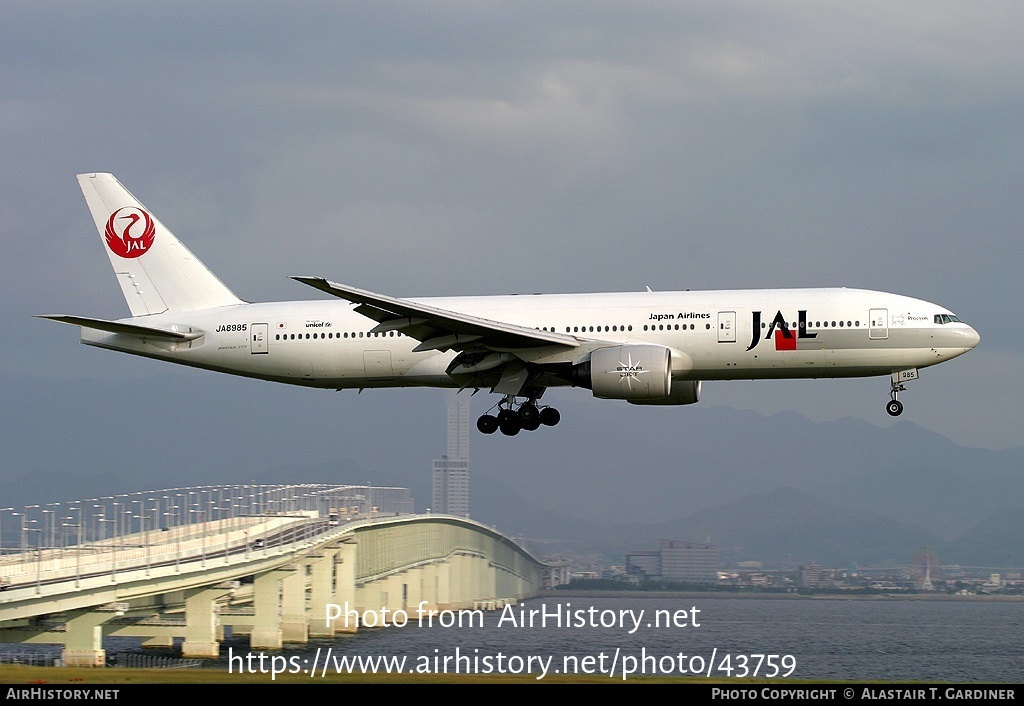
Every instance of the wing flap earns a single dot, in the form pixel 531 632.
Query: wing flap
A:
pixel 444 343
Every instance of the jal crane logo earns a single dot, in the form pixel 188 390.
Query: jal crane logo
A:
pixel 130 232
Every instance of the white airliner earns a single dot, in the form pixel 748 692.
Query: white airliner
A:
pixel 651 348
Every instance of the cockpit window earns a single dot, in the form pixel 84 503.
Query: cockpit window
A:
pixel 946 319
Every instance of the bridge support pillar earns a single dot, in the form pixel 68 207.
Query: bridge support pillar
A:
pixel 266 600
pixel 488 581
pixel 83 646
pixel 471 584
pixel 427 586
pixel 202 626
pixel 294 624
pixel 413 591
pixel 461 581
pixel 379 598
pixel 443 584
pixel 321 593
pixel 345 587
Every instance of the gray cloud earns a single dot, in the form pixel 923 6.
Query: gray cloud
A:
pixel 486 148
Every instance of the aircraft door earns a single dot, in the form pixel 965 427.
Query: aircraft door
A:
pixel 258 338
pixel 377 365
pixel 878 324
pixel 727 327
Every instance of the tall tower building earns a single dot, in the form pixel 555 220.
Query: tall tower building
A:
pixel 451 471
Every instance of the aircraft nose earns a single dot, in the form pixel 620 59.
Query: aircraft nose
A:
pixel 971 338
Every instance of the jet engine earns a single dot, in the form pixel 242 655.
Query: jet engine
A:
pixel 631 372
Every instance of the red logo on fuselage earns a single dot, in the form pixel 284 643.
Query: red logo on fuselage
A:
pixel 130 232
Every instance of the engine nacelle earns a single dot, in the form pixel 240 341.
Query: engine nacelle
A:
pixel 631 372
pixel 683 392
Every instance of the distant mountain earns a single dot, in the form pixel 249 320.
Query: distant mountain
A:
pixel 782 527
pixel 668 466
pixel 607 478
pixel 786 526
pixel 947 496
pixel 996 541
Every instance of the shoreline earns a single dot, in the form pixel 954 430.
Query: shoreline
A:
pixel 580 593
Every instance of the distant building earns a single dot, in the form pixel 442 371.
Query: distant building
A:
pixel 810 575
pixel 645 564
pixel 688 561
pixel 451 471
pixel 676 561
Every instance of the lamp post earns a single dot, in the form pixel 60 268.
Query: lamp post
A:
pixel 177 538
pixel 113 547
pixel 52 542
pixel 2 511
pixel 39 558
pixel 78 544
pixel 145 531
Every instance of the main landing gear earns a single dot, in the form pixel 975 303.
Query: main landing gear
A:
pixel 512 418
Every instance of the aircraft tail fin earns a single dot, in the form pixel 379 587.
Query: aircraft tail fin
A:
pixel 156 272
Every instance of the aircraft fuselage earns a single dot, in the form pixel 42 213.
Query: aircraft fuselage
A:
pixel 647 348
pixel 713 335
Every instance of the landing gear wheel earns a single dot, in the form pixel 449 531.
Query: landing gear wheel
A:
pixel 511 425
pixel 487 424
pixel 511 417
pixel 549 416
pixel 894 408
pixel 528 412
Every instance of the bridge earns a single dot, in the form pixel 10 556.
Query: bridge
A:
pixel 280 564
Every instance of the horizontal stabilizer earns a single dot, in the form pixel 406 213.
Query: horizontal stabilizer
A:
pixel 123 328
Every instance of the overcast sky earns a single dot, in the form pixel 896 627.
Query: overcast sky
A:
pixel 422 149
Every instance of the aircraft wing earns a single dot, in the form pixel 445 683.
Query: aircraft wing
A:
pixel 440 329
pixel 122 328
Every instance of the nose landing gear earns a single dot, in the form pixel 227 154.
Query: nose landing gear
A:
pixel 894 407
pixel 512 418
